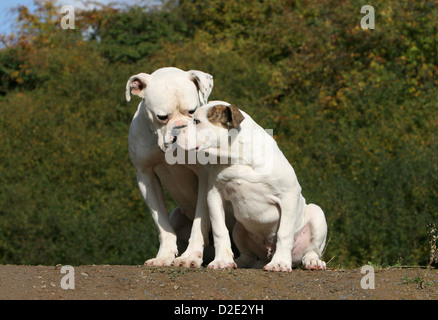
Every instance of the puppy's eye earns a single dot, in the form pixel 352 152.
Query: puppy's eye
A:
pixel 192 111
pixel 196 121
pixel 163 118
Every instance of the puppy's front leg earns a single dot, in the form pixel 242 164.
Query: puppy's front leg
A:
pixel 222 244
pixel 291 207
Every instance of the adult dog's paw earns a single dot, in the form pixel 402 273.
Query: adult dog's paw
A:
pixel 159 262
pixel 192 260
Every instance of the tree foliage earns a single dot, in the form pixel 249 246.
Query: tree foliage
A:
pixel 355 112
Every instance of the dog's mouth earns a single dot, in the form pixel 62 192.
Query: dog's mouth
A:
pixel 194 149
pixel 169 146
pixel 198 148
pixel 173 146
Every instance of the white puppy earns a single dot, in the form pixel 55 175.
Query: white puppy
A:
pixel 169 96
pixel 274 223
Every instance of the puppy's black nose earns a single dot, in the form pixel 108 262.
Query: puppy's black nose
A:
pixel 174 139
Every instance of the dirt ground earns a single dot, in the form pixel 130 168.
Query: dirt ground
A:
pixel 114 282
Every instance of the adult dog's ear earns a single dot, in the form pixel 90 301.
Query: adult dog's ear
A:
pixel 228 117
pixel 203 82
pixel 137 85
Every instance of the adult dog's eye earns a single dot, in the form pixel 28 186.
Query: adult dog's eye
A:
pixel 163 118
pixel 196 121
pixel 192 111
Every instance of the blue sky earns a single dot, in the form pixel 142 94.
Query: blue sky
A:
pixel 7 18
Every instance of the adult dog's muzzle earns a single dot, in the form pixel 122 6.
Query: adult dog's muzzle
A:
pixel 174 133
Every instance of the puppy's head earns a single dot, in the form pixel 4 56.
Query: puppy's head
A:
pixel 171 96
pixel 209 128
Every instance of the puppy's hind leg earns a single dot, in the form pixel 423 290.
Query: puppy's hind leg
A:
pixel 310 242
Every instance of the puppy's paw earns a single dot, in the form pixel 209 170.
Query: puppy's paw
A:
pixel 314 264
pixel 278 266
pixel 222 264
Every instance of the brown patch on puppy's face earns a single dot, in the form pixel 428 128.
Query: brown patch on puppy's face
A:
pixel 228 117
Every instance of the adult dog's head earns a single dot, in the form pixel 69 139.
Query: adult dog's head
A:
pixel 171 96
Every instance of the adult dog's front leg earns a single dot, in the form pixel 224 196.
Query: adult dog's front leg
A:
pixel 152 192
pixel 192 257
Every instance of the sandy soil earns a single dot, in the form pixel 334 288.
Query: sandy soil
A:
pixel 113 282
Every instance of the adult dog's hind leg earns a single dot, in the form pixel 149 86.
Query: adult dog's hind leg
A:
pixel 182 226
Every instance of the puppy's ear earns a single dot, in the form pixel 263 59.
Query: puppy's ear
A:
pixel 228 117
pixel 137 85
pixel 203 82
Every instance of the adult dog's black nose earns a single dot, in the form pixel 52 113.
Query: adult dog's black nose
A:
pixel 177 130
pixel 180 127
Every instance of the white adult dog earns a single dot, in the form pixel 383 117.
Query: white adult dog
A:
pixel 169 96
pixel 274 223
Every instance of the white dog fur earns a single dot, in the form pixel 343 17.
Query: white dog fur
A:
pixel 169 96
pixel 274 223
